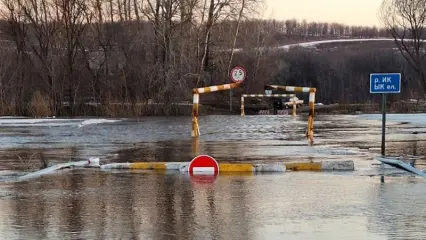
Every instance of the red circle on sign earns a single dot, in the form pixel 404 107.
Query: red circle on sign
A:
pixel 238 74
pixel 203 165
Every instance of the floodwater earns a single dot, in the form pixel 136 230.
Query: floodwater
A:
pixel 118 204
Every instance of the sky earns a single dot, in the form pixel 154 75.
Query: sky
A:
pixel 351 12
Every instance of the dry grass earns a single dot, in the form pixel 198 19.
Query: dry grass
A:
pixel 7 109
pixel 39 106
pixel 32 161
pixel 26 159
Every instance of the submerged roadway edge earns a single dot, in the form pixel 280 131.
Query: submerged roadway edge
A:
pixel 241 167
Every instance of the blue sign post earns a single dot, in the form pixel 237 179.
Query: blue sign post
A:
pixel 385 83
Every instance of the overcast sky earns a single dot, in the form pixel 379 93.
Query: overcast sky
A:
pixel 352 12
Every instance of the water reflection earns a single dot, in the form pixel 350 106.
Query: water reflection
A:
pixel 125 206
pixel 146 205
pixel 397 210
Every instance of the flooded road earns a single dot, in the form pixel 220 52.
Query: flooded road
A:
pixel 227 138
pixel 95 204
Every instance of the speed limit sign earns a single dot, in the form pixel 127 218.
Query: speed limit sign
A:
pixel 238 74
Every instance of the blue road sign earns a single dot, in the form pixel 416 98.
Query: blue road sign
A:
pixel 385 83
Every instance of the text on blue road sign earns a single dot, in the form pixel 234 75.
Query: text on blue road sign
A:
pixel 385 83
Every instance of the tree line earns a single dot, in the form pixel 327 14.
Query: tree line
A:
pixel 342 75
pixel 106 57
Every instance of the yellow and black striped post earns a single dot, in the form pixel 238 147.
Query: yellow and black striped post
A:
pixel 196 101
pixel 242 106
pixel 195 127
pixel 310 130
pixel 294 107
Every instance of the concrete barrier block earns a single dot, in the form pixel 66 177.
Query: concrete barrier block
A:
pixel 337 165
pixel 269 167
pixel 116 166
pixel 183 168
pixel 175 165
pixel 94 162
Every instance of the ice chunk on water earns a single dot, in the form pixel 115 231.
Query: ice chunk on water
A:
pixel 96 121
pixel 93 161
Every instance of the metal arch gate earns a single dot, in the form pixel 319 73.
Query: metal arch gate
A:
pixel 311 91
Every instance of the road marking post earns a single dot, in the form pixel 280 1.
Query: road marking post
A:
pixel 384 83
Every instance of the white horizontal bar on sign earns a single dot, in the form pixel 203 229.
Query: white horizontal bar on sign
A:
pixel 203 170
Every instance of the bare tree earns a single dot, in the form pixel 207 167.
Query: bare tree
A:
pixel 136 9
pixel 405 20
pixel 43 26
pixel 214 13
pixel 74 22
pixel 237 29
pixel 18 31
pixel 243 5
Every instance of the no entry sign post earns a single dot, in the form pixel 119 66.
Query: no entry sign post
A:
pixel 385 83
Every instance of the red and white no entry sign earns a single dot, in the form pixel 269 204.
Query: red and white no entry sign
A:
pixel 203 165
pixel 238 74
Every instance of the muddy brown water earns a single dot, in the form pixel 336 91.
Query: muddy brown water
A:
pixel 95 204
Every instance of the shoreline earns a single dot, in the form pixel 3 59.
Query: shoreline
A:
pixel 185 109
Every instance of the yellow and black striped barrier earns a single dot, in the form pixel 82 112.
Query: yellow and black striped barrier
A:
pixel 196 101
pixel 311 91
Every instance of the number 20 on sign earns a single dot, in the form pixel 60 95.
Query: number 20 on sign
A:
pixel 238 74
